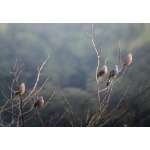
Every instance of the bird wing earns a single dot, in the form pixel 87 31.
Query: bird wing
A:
pixel 112 73
pixel 100 73
pixel 36 103
pixel 128 59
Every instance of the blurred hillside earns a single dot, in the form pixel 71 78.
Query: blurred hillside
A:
pixel 73 60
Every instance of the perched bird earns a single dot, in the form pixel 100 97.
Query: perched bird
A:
pixel 128 59
pixel 103 71
pixel 112 74
pixel 39 102
pixel 21 90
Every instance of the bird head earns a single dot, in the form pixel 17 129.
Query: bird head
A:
pixel 40 98
pixel 116 66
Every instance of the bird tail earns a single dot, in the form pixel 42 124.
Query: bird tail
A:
pixel 16 94
pixel 108 82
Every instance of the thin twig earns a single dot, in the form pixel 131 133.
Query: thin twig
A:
pixel 98 60
pixel 119 53
pixel 21 110
pixel 60 118
pixel 37 79
pixel 37 112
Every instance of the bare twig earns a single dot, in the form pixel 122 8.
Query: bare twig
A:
pixel 37 79
pixel 98 60
pixel 21 110
pixel 60 118
pixel 119 53
pixel 37 112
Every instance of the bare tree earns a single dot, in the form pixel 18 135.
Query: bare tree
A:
pixel 102 115
pixel 22 105
pixel 17 103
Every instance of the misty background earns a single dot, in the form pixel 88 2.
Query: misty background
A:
pixel 73 61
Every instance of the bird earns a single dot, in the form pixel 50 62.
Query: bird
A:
pixel 103 71
pixel 21 90
pixel 128 60
pixel 112 74
pixel 39 102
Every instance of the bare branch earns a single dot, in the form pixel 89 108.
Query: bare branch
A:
pixel 37 79
pixel 119 53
